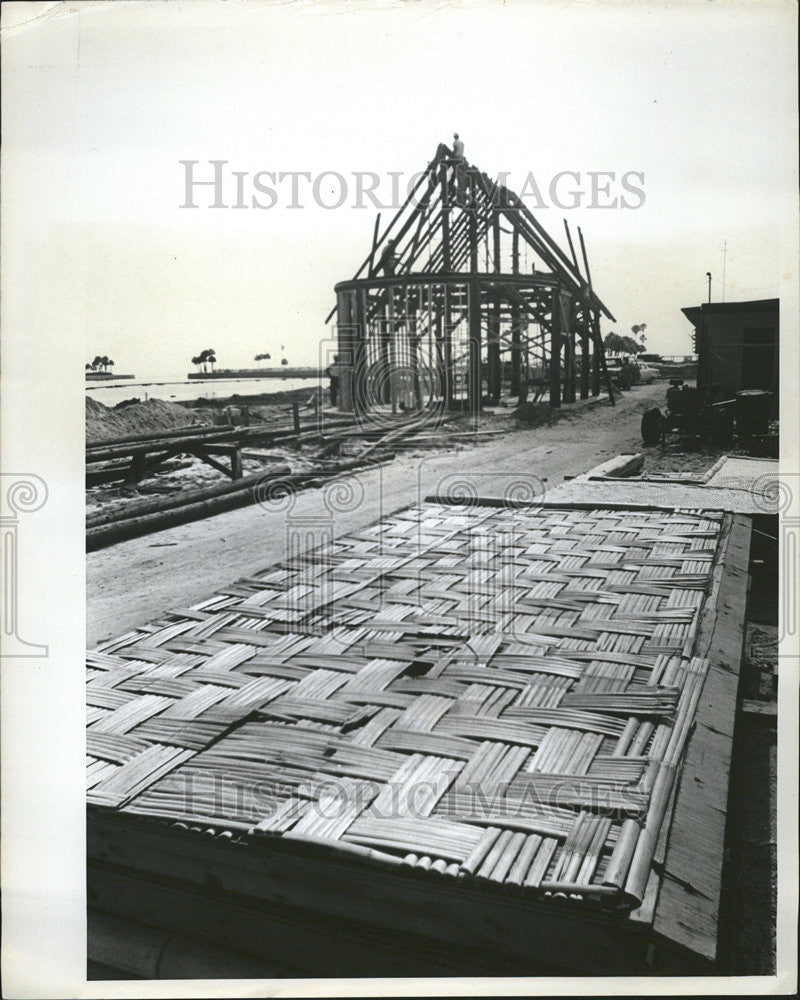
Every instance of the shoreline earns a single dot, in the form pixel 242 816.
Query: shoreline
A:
pixel 256 373
pixel 252 399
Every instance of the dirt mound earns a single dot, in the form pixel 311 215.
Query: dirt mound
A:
pixel 104 422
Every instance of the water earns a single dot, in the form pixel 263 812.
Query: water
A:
pixel 112 392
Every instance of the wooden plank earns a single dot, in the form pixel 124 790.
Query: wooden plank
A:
pixel 203 455
pixel 766 711
pixel 114 450
pixel 619 466
pixel 250 938
pixel 687 913
pixel 193 430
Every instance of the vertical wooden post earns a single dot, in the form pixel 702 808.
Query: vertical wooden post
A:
pixel 474 366
pixel 473 229
pixel 584 359
pixel 573 364
pixel 346 339
pixel 296 420
pixel 567 313
pixel 390 373
pixel 436 321
pixel 445 220
pixel 515 340
pixel 448 348
pixel 555 349
pixel 236 461
pixel 413 350
pixel 515 250
pixel 493 351
pixel 595 329
pixel 137 469
pixel 360 348
pixel 495 371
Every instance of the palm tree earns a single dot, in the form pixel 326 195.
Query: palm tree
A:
pixel 110 363
pixel 88 366
pixel 631 346
pixel 212 358
pixel 97 363
pixel 614 343
pixel 104 362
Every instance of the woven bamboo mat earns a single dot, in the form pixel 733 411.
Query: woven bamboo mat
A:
pixel 491 694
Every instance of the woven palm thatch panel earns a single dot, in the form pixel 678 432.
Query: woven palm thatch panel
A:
pixel 759 476
pixel 744 496
pixel 491 694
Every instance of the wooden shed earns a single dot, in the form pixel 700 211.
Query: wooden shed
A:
pixel 737 345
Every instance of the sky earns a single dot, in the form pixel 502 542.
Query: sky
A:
pixel 695 101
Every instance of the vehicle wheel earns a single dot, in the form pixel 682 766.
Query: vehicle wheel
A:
pixel 722 425
pixel 652 426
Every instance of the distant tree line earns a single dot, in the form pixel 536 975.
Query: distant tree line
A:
pixel 268 357
pixel 205 358
pixel 99 364
pixel 616 344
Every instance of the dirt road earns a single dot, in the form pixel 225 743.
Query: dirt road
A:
pixel 135 581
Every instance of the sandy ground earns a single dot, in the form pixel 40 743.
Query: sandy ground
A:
pixel 181 475
pixel 134 581
pixel 134 416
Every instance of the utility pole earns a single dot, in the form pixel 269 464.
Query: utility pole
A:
pixel 724 261
pixel 708 275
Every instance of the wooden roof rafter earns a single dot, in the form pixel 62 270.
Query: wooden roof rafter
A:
pixel 446 224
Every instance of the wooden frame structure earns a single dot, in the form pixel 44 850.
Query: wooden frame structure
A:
pixel 466 287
